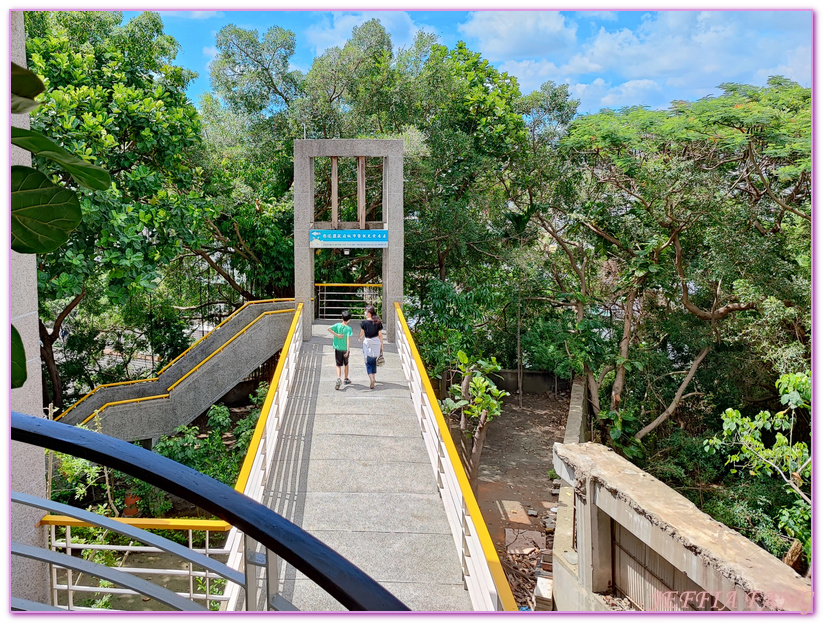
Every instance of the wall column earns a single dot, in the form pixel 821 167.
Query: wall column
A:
pixel 29 579
pixel 303 219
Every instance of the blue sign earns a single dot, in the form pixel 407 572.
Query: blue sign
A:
pixel 348 238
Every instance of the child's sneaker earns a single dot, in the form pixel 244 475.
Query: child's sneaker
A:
pixel 337 384
pixel 348 381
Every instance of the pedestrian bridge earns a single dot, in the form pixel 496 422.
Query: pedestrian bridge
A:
pixel 372 474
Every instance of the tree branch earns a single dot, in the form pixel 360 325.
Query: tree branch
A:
pixel 55 331
pixel 716 314
pixel 243 292
pixel 677 397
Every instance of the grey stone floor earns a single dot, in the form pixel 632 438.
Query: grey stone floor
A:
pixel 352 469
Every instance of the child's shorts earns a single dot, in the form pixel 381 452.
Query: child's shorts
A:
pixel 341 358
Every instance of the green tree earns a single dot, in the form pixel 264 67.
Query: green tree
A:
pixel 476 401
pixel 115 98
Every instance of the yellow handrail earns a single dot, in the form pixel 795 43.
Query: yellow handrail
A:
pixel 101 387
pixel 219 350
pixel 121 402
pixel 245 470
pixel 173 361
pixel 190 372
pixel 227 319
pixel 146 523
pixel 492 559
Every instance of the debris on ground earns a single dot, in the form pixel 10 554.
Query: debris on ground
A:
pixel 524 541
pixel 618 603
pixel 520 570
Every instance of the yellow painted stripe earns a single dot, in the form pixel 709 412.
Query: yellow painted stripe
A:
pixel 122 402
pixel 243 330
pixel 254 444
pixel 234 337
pixel 145 523
pixel 352 285
pixel 493 560
pixel 101 387
pixel 229 317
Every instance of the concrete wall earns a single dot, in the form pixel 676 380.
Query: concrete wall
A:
pixel 568 592
pixel 29 579
pixel 305 151
pixel 534 381
pixel 691 559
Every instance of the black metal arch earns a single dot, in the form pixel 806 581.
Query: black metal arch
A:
pixel 336 575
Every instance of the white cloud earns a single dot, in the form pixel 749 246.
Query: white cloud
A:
pixel 518 35
pixel 210 52
pixel 605 16
pixel 335 28
pixel 633 92
pixel 798 67
pixel 193 14
pixel 691 50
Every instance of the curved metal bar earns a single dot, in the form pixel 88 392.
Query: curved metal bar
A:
pixel 135 533
pixel 144 587
pixel 26 605
pixel 353 588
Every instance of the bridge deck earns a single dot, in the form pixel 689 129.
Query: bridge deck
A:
pixel 352 469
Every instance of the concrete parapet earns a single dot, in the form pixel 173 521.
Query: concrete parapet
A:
pixel 680 557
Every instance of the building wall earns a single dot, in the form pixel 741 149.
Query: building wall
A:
pixel 29 579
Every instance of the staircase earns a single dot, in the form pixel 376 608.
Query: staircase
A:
pixel 199 377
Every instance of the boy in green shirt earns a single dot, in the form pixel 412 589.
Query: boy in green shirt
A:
pixel 342 332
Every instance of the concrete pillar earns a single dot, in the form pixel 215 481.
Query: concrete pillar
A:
pixel 594 542
pixel 393 218
pixel 303 219
pixel 393 268
pixel 29 579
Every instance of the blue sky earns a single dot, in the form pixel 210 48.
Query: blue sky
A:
pixel 609 58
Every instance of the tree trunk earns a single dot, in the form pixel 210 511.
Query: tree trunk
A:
pixel 478 442
pixel 519 358
pixel 620 372
pixel 47 341
pixel 47 355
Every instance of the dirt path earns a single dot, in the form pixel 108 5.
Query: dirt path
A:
pixel 514 474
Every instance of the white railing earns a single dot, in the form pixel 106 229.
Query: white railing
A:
pixel 255 471
pixel 484 576
pixel 67 583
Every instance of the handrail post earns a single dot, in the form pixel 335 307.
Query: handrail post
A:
pixel 69 573
pixel 272 579
pixel 52 568
pixel 251 564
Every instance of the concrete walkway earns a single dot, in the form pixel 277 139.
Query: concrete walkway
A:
pixel 351 469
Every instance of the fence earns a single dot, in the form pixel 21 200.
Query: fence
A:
pixel 254 473
pixel 333 298
pixel 484 576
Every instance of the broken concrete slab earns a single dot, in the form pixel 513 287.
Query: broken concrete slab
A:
pixel 524 541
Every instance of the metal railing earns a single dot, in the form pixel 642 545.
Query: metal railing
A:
pixel 199 573
pixel 333 298
pixel 341 579
pixel 255 469
pixel 484 576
